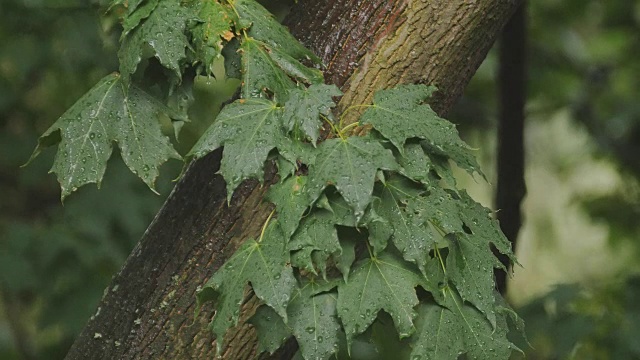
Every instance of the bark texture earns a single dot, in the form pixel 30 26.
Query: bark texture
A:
pixel 148 310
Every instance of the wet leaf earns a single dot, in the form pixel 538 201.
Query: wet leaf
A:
pixel 85 133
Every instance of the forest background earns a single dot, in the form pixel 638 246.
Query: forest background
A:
pixel 578 288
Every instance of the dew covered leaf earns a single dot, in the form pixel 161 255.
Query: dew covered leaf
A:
pixel 164 32
pixel 400 114
pixel 132 20
pixel 290 202
pixel 414 163
pixel 384 283
pixel 314 322
pixel 317 236
pixel 213 24
pixel 446 332
pixel 260 74
pixel 264 264
pixel 108 112
pixel 271 329
pixel 265 28
pixel 248 130
pixel 350 165
pixel 411 234
pixel 304 107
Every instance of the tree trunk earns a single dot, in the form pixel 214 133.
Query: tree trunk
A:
pixel 148 310
pixel 512 96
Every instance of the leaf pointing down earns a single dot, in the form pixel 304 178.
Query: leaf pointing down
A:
pixel 248 130
pixel 163 31
pixel 214 23
pixel 304 107
pixel 384 283
pixel 290 202
pixel 108 112
pixel 314 322
pixel 446 332
pixel 264 27
pixel 264 264
pixel 399 114
pixel 350 165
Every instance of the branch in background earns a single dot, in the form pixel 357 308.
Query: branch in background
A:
pixel 512 96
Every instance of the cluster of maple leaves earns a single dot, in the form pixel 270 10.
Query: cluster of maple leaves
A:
pixel 376 216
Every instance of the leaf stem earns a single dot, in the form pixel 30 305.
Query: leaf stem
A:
pixel 444 269
pixel 333 127
pixel 348 127
pixel 349 109
pixel 264 227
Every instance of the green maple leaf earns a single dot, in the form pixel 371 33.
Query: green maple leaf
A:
pixel 446 332
pixel 214 23
pixel 399 114
pixel 271 329
pixel 411 234
pixel 163 31
pixel 317 236
pixel 264 264
pixel 270 54
pixel 304 107
pixel 266 69
pixel 248 130
pixel 135 17
pixel 313 321
pixel 345 258
pixel 259 73
pixel 108 112
pixel 415 164
pixel 382 283
pixel 264 27
pixel 290 202
pixel 350 165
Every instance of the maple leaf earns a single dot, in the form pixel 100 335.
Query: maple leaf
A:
pixel 264 264
pixel 264 27
pixel 163 31
pixel 415 164
pixel 248 130
pixel 420 217
pixel 271 329
pixel 108 112
pixel 316 233
pixel 259 73
pixel 399 114
pixel 265 68
pixel 350 165
pixel 213 25
pixel 304 107
pixel 134 18
pixel 290 202
pixel 314 322
pixel 382 283
pixel 411 235
pixel 458 328
pixel 270 54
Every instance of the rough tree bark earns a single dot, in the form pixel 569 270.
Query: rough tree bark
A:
pixel 147 311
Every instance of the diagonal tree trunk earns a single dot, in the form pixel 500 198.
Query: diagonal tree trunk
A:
pixel 148 310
